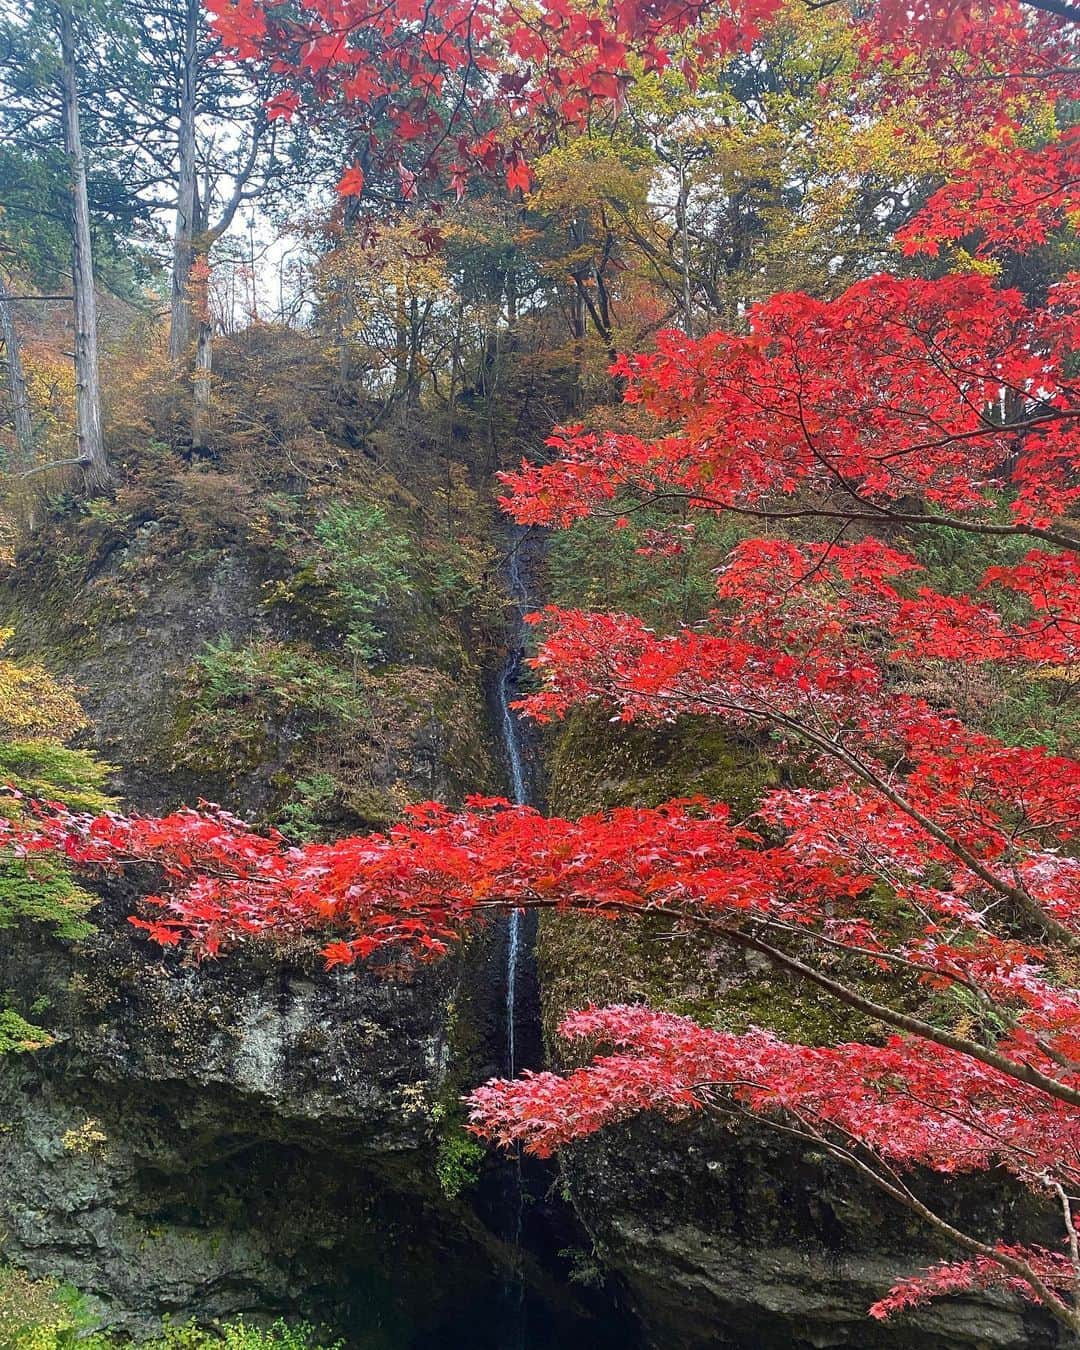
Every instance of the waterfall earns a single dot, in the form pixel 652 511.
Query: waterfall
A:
pixel 510 733
pixel 519 784
pixel 525 1317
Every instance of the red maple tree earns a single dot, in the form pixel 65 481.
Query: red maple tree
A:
pixel 927 848
pixel 445 89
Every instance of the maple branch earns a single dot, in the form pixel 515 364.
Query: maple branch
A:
pixel 739 937
pixel 872 954
pixel 1065 541
pixel 988 429
pixel 993 1059
pixel 1059 7
pixel 835 749
pixel 1003 1144
pixel 1070 1229
pixel 1022 898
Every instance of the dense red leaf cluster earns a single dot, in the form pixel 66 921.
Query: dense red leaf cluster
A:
pixel 1010 197
pixel 983 1272
pixel 909 1103
pixel 913 1103
pixel 467 86
pixel 947 391
pixel 425 881
pixel 970 61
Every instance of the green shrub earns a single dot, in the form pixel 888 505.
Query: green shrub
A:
pixel 37 1314
pixel 18 1036
pixel 367 562
pixel 48 771
pixel 239 1335
pixel 41 888
pixel 273 677
pixel 301 818
pixel 458 1156
pixel 239 699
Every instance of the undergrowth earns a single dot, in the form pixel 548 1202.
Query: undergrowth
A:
pixel 42 1314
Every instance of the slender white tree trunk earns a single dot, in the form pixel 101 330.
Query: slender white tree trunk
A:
pixel 204 357
pixel 682 224
pixel 91 446
pixel 16 380
pixel 181 309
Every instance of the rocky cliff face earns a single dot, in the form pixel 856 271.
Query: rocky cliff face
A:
pixel 255 1135
pixel 733 1237
pixel 128 607
pixel 250 1135
pixel 739 1240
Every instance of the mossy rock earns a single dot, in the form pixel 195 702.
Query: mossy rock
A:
pixel 596 764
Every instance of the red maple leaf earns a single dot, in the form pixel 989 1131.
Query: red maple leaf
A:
pixel 351 183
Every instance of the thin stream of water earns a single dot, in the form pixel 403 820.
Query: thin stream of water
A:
pixel 519 784
pixel 519 790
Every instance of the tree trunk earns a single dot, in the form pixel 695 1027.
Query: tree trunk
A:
pixel 412 373
pixel 682 210
pixel 344 353
pixel 181 309
pixel 20 399
pixel 511 310
pixel 193 298
pixel 401 345
pixel 91 446
pixel 200 417
pixel 204 353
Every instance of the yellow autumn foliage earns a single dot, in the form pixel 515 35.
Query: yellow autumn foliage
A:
pixel 33 704
pixel 50 385
pixel 367 278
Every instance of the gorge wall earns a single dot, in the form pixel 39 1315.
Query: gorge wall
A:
pixel 257 1135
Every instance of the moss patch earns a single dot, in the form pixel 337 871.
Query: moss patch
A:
pixel 596 764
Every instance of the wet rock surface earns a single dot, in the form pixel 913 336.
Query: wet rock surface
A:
pixel 248 1135
pixel 735 1238
pixel 256 1136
